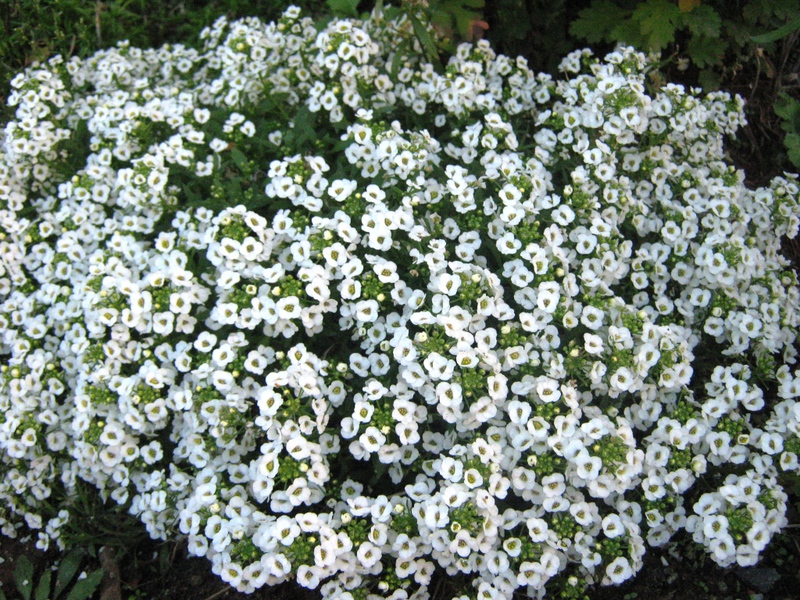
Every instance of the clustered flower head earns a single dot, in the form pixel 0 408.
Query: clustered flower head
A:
pixel 338 317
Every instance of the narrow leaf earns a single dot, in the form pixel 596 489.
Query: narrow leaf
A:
pixel 23 577
pixel 66 571
pixel 239 159
pixel 84 588
pixel 425 38
pixel 792 142
pixel 43 589
pixel 781 32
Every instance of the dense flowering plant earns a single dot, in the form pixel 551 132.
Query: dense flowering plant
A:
pixel 336 316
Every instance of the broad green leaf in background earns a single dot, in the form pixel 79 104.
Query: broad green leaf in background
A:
pixel 514 19
pixel 688 5
pixel 596 22
pixel 788 109
pixel 658 20
pixel 344 8
pixel 765 12
pixel 792 143
pixel 705 51
pixel 463 12
pixel 704 20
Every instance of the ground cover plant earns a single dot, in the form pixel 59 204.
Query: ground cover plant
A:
pixel 339 317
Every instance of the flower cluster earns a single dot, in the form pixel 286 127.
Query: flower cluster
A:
pixel 338 317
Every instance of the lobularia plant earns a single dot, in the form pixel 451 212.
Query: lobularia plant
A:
pixel 338 317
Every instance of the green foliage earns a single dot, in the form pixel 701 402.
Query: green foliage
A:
pixel 715 37
pixel 456 15
pixel 93 523
pixel 345 8
pixel 781 32
pixel 599 22
pixel 451 20
pixel 788 109
pixel 425 38
pixel 67 585
pixel 657 21
pixel 535 29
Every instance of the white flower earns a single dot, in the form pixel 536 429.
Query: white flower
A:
pixel 366 311
pixel 619 570
pixel 368 554
pixel 592 317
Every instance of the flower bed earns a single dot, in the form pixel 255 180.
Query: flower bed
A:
pixel 339 317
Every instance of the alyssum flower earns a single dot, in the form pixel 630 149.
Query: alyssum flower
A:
pixel 337 317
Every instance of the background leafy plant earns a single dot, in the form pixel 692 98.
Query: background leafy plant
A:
pixel 788 109
pixel 704 33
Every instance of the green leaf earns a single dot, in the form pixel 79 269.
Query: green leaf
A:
pixel 23 577
pixel 379 469
pixel 705 51
pixel 66 571
pixel 84 588
pixel 629 32
pixel 304 127
pixel 514 20
pixel 781 32
pixel 594 24
pixel 239 159
pixel 788 109
pixel 709 79
pixel 785 9
pixel 394 67
pixel 658 20
pixel 345 8
pixel 271 102
pixel 766 12
pixel 792 143
pixel 43 589
pixel 463 12
pixel 425 38
pixel 703 20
